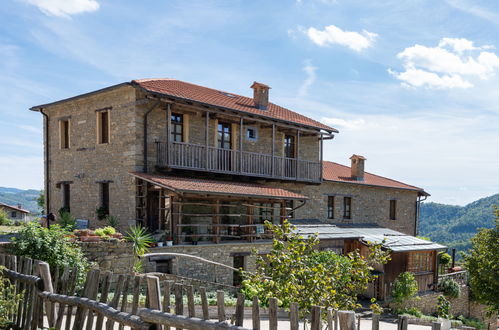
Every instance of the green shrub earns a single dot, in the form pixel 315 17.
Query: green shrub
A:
pixel 443 307
pixel 450 288
pixel 405 287
pixel 109 230
pixel 99 232
pixel 471 322
pixel 4 218
pixel 66 220
pixel 112 221
pixel 51 246
pixel 9 300
pixel 444 258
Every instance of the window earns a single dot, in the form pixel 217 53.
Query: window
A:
pixel 289 209
pixel 13 214
pixel 66 197
pixel 251 134
pixel 393 209
pixel 103 127
pixel 420 262
pixel 104 197
pixel 238 264
pixel 347 207
pixel 224 135
pixel 177 127
pixel 289 146
pixel 64 134
pixel 330 207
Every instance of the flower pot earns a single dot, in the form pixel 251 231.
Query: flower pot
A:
pixel 169 243
pixel 160 244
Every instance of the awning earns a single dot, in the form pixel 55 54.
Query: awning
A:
pixel 215 187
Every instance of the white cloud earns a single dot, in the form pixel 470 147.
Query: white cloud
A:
pixel 446 65
pixel 334 35
pixel 65 8
pixel 309 70
pixel 353 124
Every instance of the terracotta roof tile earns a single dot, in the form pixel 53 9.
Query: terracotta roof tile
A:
pixel 184 90
pixel 341 173
pixel 193 185
pixel 14 207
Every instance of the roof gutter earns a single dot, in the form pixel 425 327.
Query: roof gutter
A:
pixel 47 149
pixel 418 213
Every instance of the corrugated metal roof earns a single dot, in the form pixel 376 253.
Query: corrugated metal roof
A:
pixel 394 240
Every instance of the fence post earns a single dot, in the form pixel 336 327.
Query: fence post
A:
pixel 240 309
pixel 375 322
pixel 294 316
pixel 273 314
pixel 44 270
pixel 346 320
pixel 179 301
pixel 190 301
pixel 255 313
pixel 330 319
pixel 220 306
pixel 316 318
pixel 402 323
pixel 153 291
pixel 204 303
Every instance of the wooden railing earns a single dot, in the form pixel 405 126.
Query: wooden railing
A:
pixel 202 158
pixel 460 277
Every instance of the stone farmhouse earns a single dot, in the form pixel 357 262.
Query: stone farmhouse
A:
pixel 15 213
pixel 207 168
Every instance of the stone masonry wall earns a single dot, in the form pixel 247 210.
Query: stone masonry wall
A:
pixel 87 162
pixel 369 204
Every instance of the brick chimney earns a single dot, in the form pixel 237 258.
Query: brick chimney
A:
pixel 357 167
pixel 19 206
pixel 260 95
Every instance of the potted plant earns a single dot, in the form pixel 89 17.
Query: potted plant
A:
pixel 169 241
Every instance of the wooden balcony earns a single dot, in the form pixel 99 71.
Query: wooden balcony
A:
pixel 198 157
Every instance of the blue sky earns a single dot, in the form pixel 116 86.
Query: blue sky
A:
pixel 411 85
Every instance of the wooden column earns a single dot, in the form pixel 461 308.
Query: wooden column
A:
pixel 241 132
pixel 273 150
pixel 206 138
pixel 216 222
pixel 249 211
pixel 282 211
pixel 297 167
pixel 321 147
pixel 168 132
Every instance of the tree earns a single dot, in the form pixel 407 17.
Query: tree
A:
pixel 482 262
pixel 294 271
pixel 40 200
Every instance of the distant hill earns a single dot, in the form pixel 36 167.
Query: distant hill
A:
pixel 14 196
pixel 455 225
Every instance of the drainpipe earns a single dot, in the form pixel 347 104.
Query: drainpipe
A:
pixel 418 211
pixel 145 134
pixel 47 147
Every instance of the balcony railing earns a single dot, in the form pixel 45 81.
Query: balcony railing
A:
pixel 201 158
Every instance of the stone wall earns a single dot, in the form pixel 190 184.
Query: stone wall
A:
pixel 370 204
pixel 462 305
pixel 221 253
pixel 86 162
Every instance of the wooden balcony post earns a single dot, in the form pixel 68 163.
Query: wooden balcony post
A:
pixel 241 131
pixel 297 167
pixel 206 138
pixel 321 147
pixel 168 132
pixel 273 150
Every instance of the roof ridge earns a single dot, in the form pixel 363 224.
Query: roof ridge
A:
pixel 376 175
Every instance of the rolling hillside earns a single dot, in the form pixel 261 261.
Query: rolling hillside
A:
pixel 27 198
pixel 455 225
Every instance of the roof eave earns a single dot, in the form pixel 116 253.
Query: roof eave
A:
pixel 331 130
pixel 419 191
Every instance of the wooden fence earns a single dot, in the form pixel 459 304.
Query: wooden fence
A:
pixel 108 301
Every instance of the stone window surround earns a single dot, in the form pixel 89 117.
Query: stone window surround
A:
pixel 98 126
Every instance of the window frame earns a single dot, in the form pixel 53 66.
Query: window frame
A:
pixel 104 190
pixel 13 214
pixel 224 135
pixel 330 207
pixel 393 209
pixel 66 196
pixel 176 125
pixel 64 133
pixel 347 207
pixel 289 146
pixel 255 131
pixel 103 129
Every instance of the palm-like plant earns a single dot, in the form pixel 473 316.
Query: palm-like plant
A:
pixel 140 239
